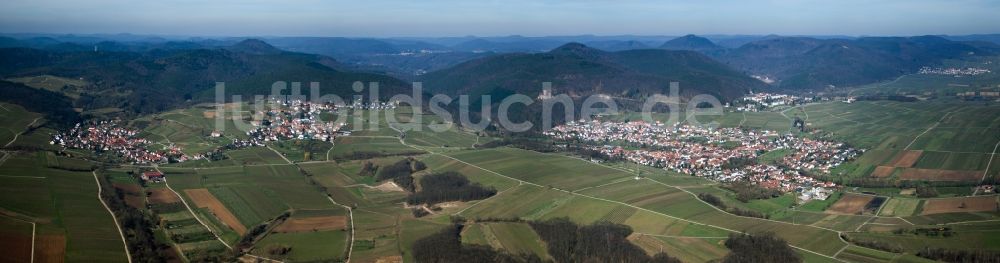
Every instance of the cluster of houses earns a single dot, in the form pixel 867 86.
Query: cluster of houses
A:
pixel 375 105
pixel 969 71
pixel 295 119
pixel 110 137
pixel 761 101
pixel 721 154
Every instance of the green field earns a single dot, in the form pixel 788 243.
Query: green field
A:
pixel 345 146
pixel 306 246
pixel 64 204
pixel 900 207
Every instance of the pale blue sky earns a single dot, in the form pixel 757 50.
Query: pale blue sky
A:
pixel 493 18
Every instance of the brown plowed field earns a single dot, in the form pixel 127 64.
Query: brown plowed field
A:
pixel 50 248
pixel 162 196
pixel 907 158
pixel 203 198
pixel 850 204
pixel 953 205
pixel 15 247
pixel 883 171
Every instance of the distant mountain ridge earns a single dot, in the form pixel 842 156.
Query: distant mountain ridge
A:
pixel 157 80
pixel 576 69
pixel 802 63
pixel 691 42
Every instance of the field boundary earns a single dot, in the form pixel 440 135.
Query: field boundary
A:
pixel 128 253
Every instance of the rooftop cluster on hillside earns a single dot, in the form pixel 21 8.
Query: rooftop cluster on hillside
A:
pixel 722 154
pixel 761 101
pixel 970 71
pixel 294 119
pixel 108 136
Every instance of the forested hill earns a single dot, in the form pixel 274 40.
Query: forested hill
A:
pixel 576 69
pixel 161 79
pixel 802 63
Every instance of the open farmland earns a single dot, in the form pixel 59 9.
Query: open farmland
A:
pixel 433 131
pixel 72 224
pixel 900 207
pixel 14 119
pixel 657 202
pixel 940 175
pixel 15 239
pixel 961 204
pixel 319 223
pixel 907 158
pixel 850 204
pixel 345 147
pixel 542 169
pixel 204 199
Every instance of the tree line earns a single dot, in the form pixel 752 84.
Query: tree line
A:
pixel 745 191
pixel 448 186
pixel 761 248
pixel 600 242
pixel 717 202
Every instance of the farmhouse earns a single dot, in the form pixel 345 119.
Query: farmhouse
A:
pixel 152 176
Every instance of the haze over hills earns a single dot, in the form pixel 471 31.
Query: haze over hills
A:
pixel 479 64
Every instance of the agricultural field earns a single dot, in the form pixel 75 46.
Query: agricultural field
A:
pixel 230 200
pixel 850 204
pixel 960 204
pixel 901 207
pixel 71 223
pixel 14 120
pixel 433 131
pixel 69 87
pixel 344 147
pixel 317 183
pixel 542 169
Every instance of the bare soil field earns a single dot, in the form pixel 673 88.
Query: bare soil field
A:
pixel 50 248
pixel 162 196
pixel 940 175
pixel 15 247
pixel 203 198
pixel 389 187
pixel 961 204
pixel 850 204
pixel 907 158
pixel 883 171
pixel 390 259
pixel 319 223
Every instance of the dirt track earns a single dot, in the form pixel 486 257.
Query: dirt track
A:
pixel 203 198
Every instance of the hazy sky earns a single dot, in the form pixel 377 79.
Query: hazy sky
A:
pixel 491 18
